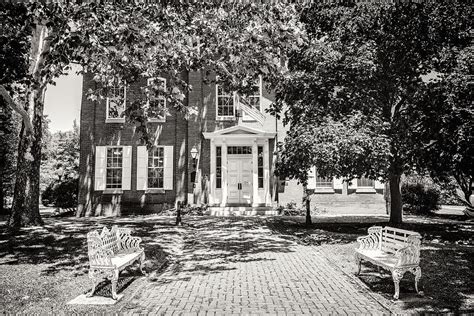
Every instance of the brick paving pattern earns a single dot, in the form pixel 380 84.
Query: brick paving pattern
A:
pixel 238 266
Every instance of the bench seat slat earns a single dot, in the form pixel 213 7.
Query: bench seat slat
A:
pixel 396 237
pixel 398 230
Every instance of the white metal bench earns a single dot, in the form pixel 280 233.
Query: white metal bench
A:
pixel 394 249
pixel 110 252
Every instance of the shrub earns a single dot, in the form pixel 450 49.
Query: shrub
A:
pixel 448 195
pixel 291 209
pixel 420 195
pixel 62 194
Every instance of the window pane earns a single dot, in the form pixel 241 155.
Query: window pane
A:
pixel 322 182
pixel 365 182
pixel 156 168
pixel 225 102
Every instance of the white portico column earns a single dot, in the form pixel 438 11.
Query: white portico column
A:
pixel 212 177
pixel 255 197
pixel 224 174
pixel 266 173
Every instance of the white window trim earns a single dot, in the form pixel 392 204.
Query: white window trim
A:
pixel 113 190
pixel 248 118
pixel 364 189
pixel 225 117
pixel 119 119
pixel 148 167
pixel 156 120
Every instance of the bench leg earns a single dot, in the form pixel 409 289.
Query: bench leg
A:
pixel 94 285
pixel 142 262
pixel 96 276
pixel 358 262
pixel 114 284
pixel 417 273
pixel 397 275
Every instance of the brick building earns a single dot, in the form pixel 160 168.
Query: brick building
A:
pixel 222 156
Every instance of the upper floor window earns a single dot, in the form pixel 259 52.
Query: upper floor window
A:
pixel 113 178
pixel 156 168
pixel 115 102
pixel 253 99
pixel 365 182
pixel 225 103
pixel 157 103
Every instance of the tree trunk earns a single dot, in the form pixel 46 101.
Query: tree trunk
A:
pixel 2 199
pixel 34 196
pixel 25 209
pixel 19 207
pixel 307 203
pixel 395 200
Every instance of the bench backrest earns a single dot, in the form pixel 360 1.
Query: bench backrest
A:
pixel 393 239
pixel 102 246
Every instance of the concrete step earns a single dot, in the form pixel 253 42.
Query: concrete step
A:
pixel 240 210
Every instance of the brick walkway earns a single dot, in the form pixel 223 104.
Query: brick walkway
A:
pixel 236 266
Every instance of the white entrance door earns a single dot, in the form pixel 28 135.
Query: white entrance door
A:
pixel 239 180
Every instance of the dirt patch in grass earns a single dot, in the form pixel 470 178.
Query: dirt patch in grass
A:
pixel 447 260
pixel 42 268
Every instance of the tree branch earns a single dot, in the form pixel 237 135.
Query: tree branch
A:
pixel 24 114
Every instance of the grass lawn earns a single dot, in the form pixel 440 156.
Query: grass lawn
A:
pixel 447 259
pixel 41 269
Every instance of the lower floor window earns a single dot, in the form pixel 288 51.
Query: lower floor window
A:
pixel 156 168
pixel 114 168
pixel 322 182
pixel 365 182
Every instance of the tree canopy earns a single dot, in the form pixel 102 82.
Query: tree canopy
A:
pixel 124 42
pixel 351 93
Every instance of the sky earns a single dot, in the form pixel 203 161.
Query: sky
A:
pixel 63 102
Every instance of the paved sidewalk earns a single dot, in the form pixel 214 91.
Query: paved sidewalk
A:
pixel 238 266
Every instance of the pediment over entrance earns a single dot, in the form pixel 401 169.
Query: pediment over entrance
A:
pixel 239 131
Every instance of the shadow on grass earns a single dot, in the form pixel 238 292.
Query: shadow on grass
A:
pixel 61 244
pixel 447 259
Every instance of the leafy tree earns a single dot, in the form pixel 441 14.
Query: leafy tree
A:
pixel 351 92
pixel 446 136
pixel 60 157
pixel 122 41
pixel 8 144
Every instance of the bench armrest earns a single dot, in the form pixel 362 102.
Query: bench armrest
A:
pixel 372 241
pixel 128 243
pixel 100 257
pixel 409 255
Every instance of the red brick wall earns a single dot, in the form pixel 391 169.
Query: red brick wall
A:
pixel 95 132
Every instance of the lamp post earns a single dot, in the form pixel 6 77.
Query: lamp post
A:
pixel 194 153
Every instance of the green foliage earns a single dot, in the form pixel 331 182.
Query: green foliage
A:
pixel 62 193
pixel 234 42
pixel 14 42
pixel 444 125
pixel 291 209
pixel 60 157
pixel 420 195
pixel 371 61
pixel 449 192
pixel 337 148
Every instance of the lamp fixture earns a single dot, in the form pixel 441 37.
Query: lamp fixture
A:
pixel 194 153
